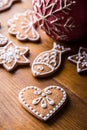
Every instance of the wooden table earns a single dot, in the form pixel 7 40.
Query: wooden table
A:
pixel 12 115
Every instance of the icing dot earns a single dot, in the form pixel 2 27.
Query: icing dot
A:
pixel 62 89
pixel 64 95
pixel 64 92
pixel 43 94
pixel 22 99
pixel 61 102
pixel 40 68
pixel 36 73
pixel 47 115
pixel 30 108
pixel 58 87
pixel 54 109
pixel 43 105
pixel 45 118
pixel 37 113
pixel 21 96
pixel 57 106
pixel 21 93
pixel 33 111
pixel 23 90
pixel 40 115
pixel 51 111
pixel 24 102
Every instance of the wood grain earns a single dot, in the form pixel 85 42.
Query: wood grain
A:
pixel 12 115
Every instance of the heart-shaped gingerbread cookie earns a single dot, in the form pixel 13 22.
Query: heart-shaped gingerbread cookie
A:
pixel 42 103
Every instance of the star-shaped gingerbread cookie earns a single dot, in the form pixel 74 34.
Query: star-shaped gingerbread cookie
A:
pixel 5 4
pixel 23 26
pixel 80 59
pixel 12 55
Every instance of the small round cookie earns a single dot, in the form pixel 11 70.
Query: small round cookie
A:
pixel 43 104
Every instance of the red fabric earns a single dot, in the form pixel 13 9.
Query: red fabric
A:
pixel 75 15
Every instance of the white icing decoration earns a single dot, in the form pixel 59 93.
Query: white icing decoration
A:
pixel 3 40
pixel 80 59
pixel 3 2
pixel 58 21
pixel 10 55
pixel 48 91
pixel 43 103
pixel 43 95
pixel 36 101
pixel 27 26
pixel 37 91
pixel 49 59
pixel 50 101
pixel 43 98
pixel 40 68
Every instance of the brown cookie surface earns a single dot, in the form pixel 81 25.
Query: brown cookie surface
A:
pixel 47 62
pixel 12 55
pixel 22 25
pixel 43 104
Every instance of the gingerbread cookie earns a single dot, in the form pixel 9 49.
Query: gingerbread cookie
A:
pixel 12 55
pixel 23 26
pixel 5 4
pixel 46 63
pixel 43 104
pixel 80 59
pixel 3 40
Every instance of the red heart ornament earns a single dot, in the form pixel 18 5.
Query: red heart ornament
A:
pixel 43 104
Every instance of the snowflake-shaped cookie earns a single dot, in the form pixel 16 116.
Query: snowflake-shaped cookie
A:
pixel 23 26
pixel 12 55
pixel 80 59
pixel 5 4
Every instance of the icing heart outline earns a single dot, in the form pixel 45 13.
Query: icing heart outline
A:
pixel 36 113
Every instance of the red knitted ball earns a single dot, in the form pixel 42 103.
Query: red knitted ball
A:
pixel 64 20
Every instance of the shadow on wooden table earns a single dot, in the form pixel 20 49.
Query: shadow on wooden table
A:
pixel 60 113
